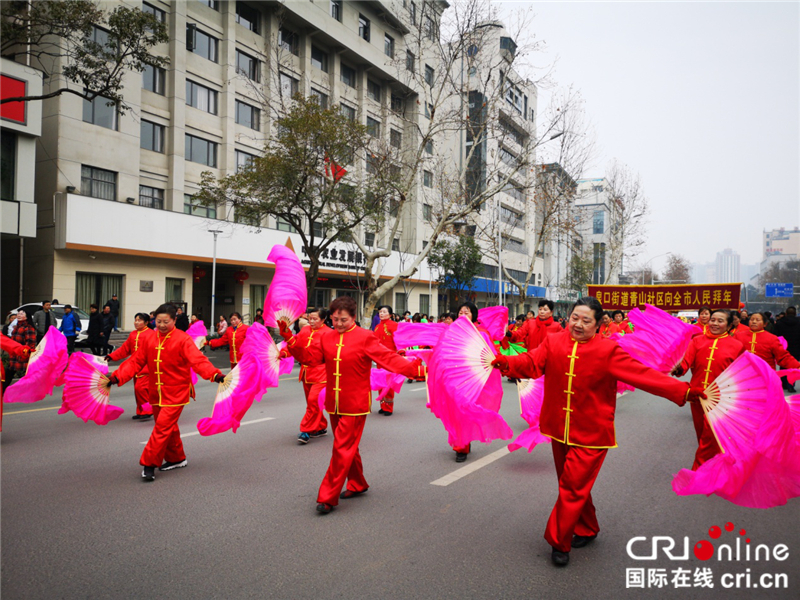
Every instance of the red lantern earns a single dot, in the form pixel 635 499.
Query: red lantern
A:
pixel 198 273
pixel 241 276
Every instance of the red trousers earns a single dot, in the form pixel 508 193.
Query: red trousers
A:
pixel 141 390
pixel 707 446
pixel 314 419
pixel 574 513
pixel 387 404
pixel 345 460
pixel 165 441
pixel 462 449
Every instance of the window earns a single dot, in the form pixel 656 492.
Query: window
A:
pixel 427 212
pixel 247 65
pixel 322 98
pixel 289 85
pixel 243 160
pixel 159 14
pixel 427 179
pixel 511 132
pixel 514 97
pixel 318 231
pixel 348 111
pixel 201 43
pixel 363 27
pixel 430 28
pixel 429 146
pixel 598 222
pixel 336 9
pixel 152 137
pixel 214 4
pixel 511 217
pixel 8 165
pixel 373 127
pixel 394 208
pixel 396 138
pixel 398 104
pixel 174 290
pixel 192 206
pixel 201 151
pixel 151 197
pixel 247 115
pixel 100 112
pixel 373 90
pixel 285 226
pixel 513 245
pixel 508 158
pixel 409 61
pixel 289 41
pixel 400 298
pixel 348 75
pixel 412 11
pixel 599 263
pixel 153 79
pixel 98 183
pixel 99 36
pixel 388 45
pixel 429 75
pixel 201 97
pixel 396 247
pixel 424 244
pixel 429 110
pixel 424 303
pixel 369 240
pixel 372 165
pixel 247 16
pixel 319 59
pixel 506 43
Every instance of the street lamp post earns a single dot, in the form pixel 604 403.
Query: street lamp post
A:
pixel 648 262
pixel 216 232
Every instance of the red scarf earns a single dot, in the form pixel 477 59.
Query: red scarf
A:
pixel 711 336
pixel 539 331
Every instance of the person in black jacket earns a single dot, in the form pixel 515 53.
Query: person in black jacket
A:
pixel 113 304
pixel 95 333
pixel 181 320
pixel 108 327
pixel 789 328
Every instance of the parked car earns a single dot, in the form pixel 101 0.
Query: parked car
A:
pixel 58 313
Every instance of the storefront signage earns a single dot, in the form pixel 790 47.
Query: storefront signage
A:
pixel 667 297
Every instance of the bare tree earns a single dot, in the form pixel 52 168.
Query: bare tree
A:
pixel 678 269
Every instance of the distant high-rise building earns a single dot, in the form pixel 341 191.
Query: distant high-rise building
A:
pixel 782 241
pixel 728 269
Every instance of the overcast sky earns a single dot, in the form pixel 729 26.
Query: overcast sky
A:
pixel 702 99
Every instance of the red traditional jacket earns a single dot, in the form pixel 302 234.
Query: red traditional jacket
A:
pixel 580 387
pixel 168 359
pixel 609 330
pixel 708 355
pixel 348 359
pixel 385 331
pixel 233 338
pixel 132 345
pixel 703 332
pixel 529 333
pixel 312 371
pixel 767 346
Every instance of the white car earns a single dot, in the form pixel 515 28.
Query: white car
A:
pixel 58 313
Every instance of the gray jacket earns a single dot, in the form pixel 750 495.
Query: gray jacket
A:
pixel 40 319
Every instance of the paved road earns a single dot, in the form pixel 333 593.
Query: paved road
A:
pixel 239 521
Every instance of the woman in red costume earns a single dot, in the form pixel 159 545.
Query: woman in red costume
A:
pixel 312 375
pixel 707 356
pixel 233 338
pixel 136 338
pixel 764 344
pixel 385 331
pixel 16 350
pixel 619 319
pixel 577 414
pixel 703 316
pixel 534 331
pixel 169 356
pixel 608 327
pixel 348 351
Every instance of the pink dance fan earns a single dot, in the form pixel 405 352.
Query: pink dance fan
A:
pixel 464 391
pixel 287 297
pixel 759 466
pixel 45 366
pixel 198 332
pixel 260 344
pixel 418 334
pixel 234 397
pixel 659 340
pixel 384 381
pixel 531 396
pixel 495 320
pixel 791 375
pixel 85 392
pixel 286 364
pixel 794 410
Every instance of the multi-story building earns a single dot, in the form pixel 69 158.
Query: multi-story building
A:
pixel 727 267
pixel 115 192
pixel 20 126
pixel 602 236
pixel 782 241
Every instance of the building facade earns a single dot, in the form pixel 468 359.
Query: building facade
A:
pixel 728 267
pixel 597 218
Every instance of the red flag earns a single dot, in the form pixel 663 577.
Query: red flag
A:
pixel 333 170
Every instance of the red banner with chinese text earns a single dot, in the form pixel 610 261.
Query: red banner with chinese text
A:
pixel 668 297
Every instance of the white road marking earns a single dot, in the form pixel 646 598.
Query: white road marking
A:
pixel 471 468
pixel 183 435
pixel 417 389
